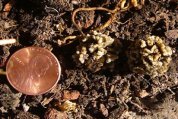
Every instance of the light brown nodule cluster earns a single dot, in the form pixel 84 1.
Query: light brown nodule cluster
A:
pixel 126 4
pixel 149 56
pixel 97 51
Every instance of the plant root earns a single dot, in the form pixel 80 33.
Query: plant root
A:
pixel 122 5
pixel 112 12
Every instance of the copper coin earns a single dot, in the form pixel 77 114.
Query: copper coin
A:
pixel 33 70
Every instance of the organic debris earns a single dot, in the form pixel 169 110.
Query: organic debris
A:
pixel 24 115
pixel 67 106
pixel 8 99
pixel 97 51
pixel 149 56
pixel 172 34
pixel 55 114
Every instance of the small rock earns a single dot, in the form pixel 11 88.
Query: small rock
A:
pixel 85 19
pixel 25 107
pixel 71 95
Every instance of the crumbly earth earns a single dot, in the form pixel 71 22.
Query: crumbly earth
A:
pixel 103 95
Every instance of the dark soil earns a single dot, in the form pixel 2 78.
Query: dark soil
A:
pixel 106 94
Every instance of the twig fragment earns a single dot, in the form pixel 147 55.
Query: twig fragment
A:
pixel 139 107
pixel 7 41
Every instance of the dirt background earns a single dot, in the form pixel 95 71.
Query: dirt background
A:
pixel 105 94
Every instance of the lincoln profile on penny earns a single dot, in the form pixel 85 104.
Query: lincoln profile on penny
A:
pixel 33 70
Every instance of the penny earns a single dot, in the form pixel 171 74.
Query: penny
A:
pixel 33 70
